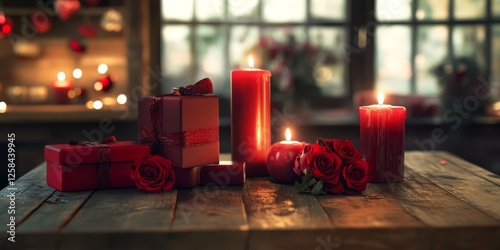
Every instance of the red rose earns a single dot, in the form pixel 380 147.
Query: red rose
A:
pixel 153 174
pixel 344 148
pixel 356 175
pixel 321 163
pixel 303 159
pixel 334 188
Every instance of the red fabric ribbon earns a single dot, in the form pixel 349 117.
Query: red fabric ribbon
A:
pixel 192 138
pixel 151 136
pixel 103 160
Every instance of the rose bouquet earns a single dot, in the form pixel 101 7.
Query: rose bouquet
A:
pixel 153 174
pixel 331 166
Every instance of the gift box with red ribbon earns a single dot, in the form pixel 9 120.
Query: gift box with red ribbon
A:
pixel 186 177
pixel 224 173
pixel 183 126
pixel 92 165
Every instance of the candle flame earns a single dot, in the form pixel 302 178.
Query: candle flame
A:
pixel 61 76
pixel 380 98
pixel 250 61
pixel 288 134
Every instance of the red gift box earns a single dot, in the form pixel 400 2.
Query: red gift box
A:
pixel 225 173
pixel 183 129
pixel 186 177
pixel 91 167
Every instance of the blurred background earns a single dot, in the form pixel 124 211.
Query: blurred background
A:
pixel 73 70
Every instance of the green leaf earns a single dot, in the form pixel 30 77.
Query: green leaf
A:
pixel 301 187
pixel 317 189
pixel 312 182
pixel 306 179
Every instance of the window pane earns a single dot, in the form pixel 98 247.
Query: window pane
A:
pixel 468 43
pixel 243 10
pixel 393 67
pixel 495 43
pixel 495 64
pixel 469 9
pixel 432 49
pixel 495 10
pixel 209 10
pixel 210 56
pixel 392 10
pixel 328 59
pixel 176 57
pixel 243 41
pixel 177 10
pixel 328 9
pixel 432 10
pixel 284 10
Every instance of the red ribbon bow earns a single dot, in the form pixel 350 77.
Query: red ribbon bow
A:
pixel 202 87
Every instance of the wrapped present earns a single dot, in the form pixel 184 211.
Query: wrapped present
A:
pixel 225 173
pixel 92 165
pixel 186 177
pixel 183 126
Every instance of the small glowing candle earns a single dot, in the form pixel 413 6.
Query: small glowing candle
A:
pixel 61 81
pixel 61 87
pixel 382 136
pixel 281 159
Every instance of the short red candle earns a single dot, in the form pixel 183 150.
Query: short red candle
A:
pixel 281 160
pixel 251 118
pixel 382 137
pixel 61 86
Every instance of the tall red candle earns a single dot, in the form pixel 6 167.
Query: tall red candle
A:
pixel 251 118
pixel 382 136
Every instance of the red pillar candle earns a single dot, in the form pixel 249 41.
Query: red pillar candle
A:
pixel 61 86
pixel 382 136
pixel 281 159
pixel 251 118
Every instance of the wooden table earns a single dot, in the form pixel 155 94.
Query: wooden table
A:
pixel 444 203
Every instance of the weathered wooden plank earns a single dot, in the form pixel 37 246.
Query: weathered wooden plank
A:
pixel 209 217
pixel 448 217
pixel 279 217
pixel 31 191
pixel 377 219
pixel 110 215
pixel 476 170
pixel 55 212
pixel 40 229
pixel 462 183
